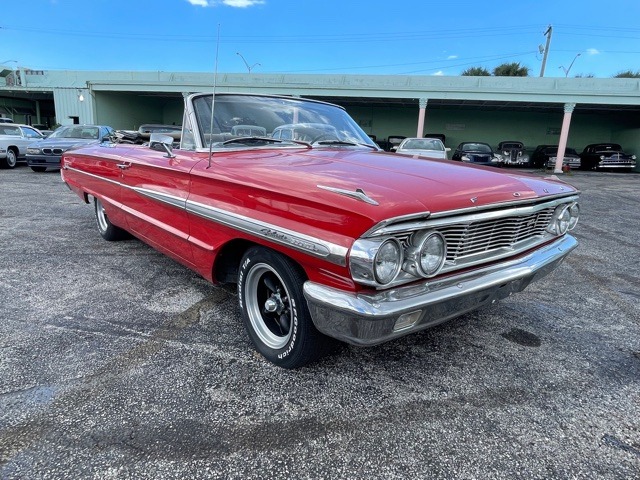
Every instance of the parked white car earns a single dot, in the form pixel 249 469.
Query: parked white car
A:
pixel 14 140
pixel 425 147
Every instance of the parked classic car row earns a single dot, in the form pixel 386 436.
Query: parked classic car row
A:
pixel 513 153
pixel 325 235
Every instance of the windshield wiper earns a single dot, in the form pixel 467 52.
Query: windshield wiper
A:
pixel 261 140
pixel 342 142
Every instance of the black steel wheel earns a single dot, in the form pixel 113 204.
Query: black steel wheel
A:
pixel 274 310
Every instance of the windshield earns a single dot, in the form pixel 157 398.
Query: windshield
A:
pixel 422 144
pixel 476 147
pixel 284 119
pixel 76 131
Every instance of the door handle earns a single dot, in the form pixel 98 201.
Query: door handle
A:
pixel 123 166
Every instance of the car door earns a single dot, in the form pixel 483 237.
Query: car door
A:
pixel 154 194
pixel 99 175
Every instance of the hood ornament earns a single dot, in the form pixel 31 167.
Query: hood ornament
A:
pixel 517 194
pixel 358 194
pixel 474 200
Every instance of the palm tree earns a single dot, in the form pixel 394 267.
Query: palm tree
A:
pixel 513 69
pixel 628 74
pixel 476 72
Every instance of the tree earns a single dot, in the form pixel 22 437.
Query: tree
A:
pixel 476 72
pixel 628 74
pixel 513 69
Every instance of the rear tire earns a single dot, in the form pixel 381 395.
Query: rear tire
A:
pixel 107 230
pixel 274 310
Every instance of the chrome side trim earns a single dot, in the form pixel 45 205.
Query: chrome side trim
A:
pixel 331 252
pixel 161 197
pixel 267 231
pixel 114 182
pixel 358 194
pixel 416 222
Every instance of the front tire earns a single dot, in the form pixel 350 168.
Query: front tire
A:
pixel 107 230
pixel 274 310
pixel 11 159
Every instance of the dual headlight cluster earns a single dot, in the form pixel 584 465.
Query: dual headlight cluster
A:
pixel 565 217
pixel 379 262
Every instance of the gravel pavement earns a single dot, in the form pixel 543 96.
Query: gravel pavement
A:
pixel 117 362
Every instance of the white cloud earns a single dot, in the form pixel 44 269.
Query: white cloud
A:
pixel 593 51
pixel 228 3
pixel 439 73
pixel 452 57
pixel 242 3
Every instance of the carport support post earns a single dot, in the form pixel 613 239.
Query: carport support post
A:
pixel 564 134
pixel 423 107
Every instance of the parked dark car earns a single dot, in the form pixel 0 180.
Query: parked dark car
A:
pixel 544 156
pixel 46 153
pixel 477 153
pixel 394 141
pixel 606 155
pixel 513 153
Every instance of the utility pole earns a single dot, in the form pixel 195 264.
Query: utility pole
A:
pixel 546 49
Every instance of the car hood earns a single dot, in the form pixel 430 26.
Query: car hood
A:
pixel 424 153
pixel 399 185
pixel 63 142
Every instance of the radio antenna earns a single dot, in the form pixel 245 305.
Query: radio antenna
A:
pixel 213 98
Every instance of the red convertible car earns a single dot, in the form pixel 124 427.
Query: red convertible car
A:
pixel 326 236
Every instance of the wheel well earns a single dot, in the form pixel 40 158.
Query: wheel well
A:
pixel 14 149
pixel 227 262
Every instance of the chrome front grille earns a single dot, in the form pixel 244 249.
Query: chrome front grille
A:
pixel 475 236
pixel 52 151
pixel 483 236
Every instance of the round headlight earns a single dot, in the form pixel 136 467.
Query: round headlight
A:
pixel 574 212
pixel 560 221
pixel 432 254
pixel 387 261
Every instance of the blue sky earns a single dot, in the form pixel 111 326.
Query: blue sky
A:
pixel 322 37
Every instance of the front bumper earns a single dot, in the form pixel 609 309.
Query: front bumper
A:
pixel 52 161
pixel 370 319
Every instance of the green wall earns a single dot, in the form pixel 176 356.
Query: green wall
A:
pixel 128 111
pixel 494 126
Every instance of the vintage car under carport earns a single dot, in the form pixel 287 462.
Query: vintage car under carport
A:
pixel 326 236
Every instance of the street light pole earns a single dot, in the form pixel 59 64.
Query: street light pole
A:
pixel 567 70
pixel 247 64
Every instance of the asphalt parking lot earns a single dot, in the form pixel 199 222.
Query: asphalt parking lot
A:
pixel 116 362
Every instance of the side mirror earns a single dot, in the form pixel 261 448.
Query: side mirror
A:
pixel 165 142
pixel 447 149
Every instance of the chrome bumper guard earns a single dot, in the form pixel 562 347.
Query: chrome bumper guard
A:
pixel 370 319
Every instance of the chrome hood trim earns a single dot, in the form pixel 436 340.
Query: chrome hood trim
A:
pixel 358 194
